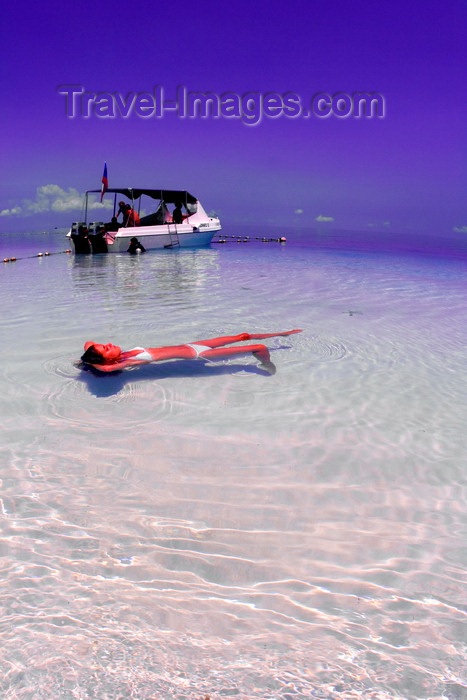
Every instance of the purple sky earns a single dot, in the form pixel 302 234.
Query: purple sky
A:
pixel 406 171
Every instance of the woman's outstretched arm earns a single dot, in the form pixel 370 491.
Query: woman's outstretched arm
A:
pixel 225 340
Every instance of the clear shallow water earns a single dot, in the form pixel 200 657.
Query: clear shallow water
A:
pixel 188 529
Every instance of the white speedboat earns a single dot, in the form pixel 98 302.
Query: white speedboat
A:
pixel 192 227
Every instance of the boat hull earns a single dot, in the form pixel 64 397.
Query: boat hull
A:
pixel 160 237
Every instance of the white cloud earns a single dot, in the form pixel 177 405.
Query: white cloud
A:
pixel 324 218
pixel 52 190
pixel 106 204
pixel 460 229
pixel 372 224
pixel 56 199
pixel 298 211
pixel 9 212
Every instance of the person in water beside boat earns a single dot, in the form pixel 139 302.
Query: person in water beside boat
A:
pixel 111 358
pixel 135 246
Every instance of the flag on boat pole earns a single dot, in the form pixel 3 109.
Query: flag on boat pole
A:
pixel 105 182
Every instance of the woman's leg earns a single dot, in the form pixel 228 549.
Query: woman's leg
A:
pixel 259 351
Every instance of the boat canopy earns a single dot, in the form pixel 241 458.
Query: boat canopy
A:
pixel 168 196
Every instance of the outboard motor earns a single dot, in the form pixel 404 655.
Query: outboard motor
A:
pixel 94 226
pixel 76 225
pixel 98 242
pixel 81 241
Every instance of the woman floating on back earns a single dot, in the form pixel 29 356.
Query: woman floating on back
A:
pixel 111 358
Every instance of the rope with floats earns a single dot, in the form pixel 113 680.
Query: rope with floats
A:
pixel 37 255
pixel 220 239
pixel 246 239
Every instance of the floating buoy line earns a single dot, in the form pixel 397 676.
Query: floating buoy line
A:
pixel 247 239
pixel 220 239
pixel 37 255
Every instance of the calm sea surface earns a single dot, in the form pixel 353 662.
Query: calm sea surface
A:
pixel 185 529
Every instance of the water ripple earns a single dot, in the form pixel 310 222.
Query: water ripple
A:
pixel 187 530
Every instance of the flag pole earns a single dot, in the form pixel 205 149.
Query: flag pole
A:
pixel 105 182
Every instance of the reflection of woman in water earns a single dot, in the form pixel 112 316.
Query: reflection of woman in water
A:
pixel 110 358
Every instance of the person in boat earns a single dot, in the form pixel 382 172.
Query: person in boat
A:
pixel 177 214
pixel 135 246
pixel 113 225
pixel 121 208
pixel 130 216
pixel 111 358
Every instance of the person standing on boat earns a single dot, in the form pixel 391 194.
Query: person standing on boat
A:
pixel 177 214
pixel 111 358
pixel 121 209
pixel 130 217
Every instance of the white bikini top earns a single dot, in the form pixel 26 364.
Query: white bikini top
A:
pixel 143 355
